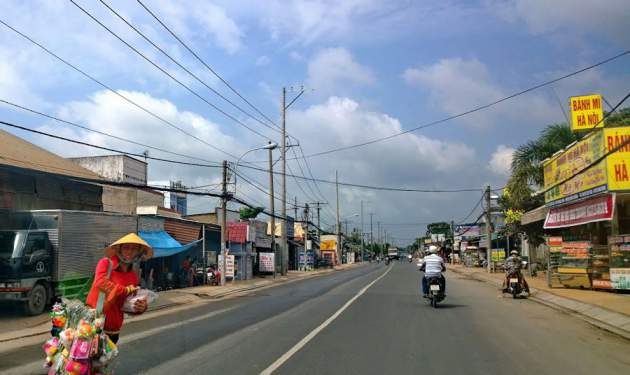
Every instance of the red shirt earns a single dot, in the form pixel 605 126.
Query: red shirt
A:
pixel 114 288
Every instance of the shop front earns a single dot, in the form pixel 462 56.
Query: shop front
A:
pixel 588 223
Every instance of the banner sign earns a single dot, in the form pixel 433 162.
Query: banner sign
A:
pixel 555 244
pixel 229 265
pixel 262 239
pixel 468 230
pixel 310 260
pixel 571 161
pixel 238 232
pixel 618 163
pixel 593 209
pixel 266 262
pixel 586 112
pixel 498 255
pixel 620 278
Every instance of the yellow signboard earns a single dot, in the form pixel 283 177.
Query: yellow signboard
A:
pixel 571 161
pixel 586 112
pixel 328 245
pixel 618 163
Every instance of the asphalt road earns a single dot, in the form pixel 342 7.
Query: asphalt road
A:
pixel 325 325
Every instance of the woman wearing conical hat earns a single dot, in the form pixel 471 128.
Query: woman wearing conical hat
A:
pixel 121 282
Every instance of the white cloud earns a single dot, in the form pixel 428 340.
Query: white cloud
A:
pixel 609 18
pixel 332 68
pixel 456 85
pixel 296 56
pixel 262 61
pixel 214 19
pixel 501 160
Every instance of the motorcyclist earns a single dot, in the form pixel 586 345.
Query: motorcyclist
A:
pixel 513 265
pixel 433 266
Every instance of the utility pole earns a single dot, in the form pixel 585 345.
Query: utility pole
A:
pixel 362 241
pixel 273 213
pixel 378 236
pixel 488 228
pixel 306 236
pixel 224 222
pixel 283 240
pixel 295 209
pixel 338 223
pixel 371 238
pixel 452 242
pixel 319 232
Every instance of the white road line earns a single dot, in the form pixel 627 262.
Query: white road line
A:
pixel 286 356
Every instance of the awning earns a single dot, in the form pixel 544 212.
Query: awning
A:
pixel 537 214
pixel 600 208
pixel 163 244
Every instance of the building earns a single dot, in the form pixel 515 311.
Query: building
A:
pixel 32 178
pixel 173 200
pixel 118 168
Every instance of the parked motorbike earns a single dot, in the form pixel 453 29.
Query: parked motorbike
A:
pixel 436 294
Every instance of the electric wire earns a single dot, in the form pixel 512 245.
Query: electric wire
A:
pixel 473 110
pixel 109 88
pixel 192 52
pixel 184 68
pixel 158 67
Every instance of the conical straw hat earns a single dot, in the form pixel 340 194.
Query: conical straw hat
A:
pixel 133 238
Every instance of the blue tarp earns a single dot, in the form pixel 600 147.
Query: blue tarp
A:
pixel 163 244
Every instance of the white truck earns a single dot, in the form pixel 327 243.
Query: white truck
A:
pixel 46 254
pixel 392 253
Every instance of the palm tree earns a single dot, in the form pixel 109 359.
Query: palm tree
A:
pixel 527 170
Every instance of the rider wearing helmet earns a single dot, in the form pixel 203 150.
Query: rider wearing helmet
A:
pixel 513 265
pixel 432 265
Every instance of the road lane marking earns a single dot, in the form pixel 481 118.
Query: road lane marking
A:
pixel 286 356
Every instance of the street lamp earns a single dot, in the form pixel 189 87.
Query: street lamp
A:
pixel 269 146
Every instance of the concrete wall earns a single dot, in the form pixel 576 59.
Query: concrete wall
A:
pixel 119 168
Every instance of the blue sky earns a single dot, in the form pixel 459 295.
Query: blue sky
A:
pixel 371 68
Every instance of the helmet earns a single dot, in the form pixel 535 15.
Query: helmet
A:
pixel 433 249
pixel 513 252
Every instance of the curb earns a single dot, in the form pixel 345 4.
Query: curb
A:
pixel 202 296
pixel 614 322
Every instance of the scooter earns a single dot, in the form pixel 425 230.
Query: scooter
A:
pixel 436 294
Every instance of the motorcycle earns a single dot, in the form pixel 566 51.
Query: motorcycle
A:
pixel 514 285
pixel 436 294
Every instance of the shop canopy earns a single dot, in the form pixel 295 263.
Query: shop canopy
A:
pixel 163 244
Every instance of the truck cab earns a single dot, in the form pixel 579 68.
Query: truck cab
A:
pixel 26 258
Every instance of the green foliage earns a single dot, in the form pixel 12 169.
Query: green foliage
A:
pixel 439 228
pixel 250 213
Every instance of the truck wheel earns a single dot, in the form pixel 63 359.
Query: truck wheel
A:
pixel 37 300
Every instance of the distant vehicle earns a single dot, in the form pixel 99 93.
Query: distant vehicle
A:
pixel 53 253
pixel 392 253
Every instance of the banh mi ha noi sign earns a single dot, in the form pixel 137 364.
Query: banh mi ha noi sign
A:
pixel 586 112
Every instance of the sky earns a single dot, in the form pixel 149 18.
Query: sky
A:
pixel 369 69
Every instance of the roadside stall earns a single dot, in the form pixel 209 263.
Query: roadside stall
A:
pixel 589 212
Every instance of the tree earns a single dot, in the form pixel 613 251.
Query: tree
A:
pixel 250 213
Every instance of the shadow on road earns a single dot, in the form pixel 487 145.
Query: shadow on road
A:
pixel 450 306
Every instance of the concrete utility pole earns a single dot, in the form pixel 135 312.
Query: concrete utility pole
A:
pixel 371 238
pixel 295 209
pixel 283 240
pixel 273 212
pixel 452 242
pixel 488 228
pixel 224 222
pixel 319 232
pixel 338 223
pixel 378 235
pixel 362 242
pixel 306 236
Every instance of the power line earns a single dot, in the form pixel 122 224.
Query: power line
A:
pixel 184 68
pixel 107 148
pixel 128 100
pixel 203 62
pixel 101 132
pixel 217 165
pixel 473 110
pixel 154 64
pixel 471 211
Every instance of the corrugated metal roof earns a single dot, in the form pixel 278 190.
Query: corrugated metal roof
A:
pixel 17 152
pixel 182 231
